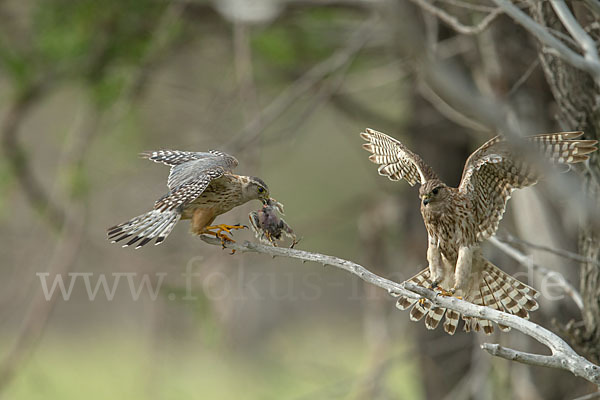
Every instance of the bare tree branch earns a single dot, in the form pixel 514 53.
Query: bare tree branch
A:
pixel 594 5
pixel 515 87
pixel 34 192
pixel 242 61
pixel 562 357
pixel 301 86
pixel 447 110
pixel 521 356
pixel 454 23
pixel 507 238
pixel 587 63
pixel 469 6
pixel 577 32
pixel 325 92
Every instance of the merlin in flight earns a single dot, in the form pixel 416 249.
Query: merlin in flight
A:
pixel 459 219
pixel 201 186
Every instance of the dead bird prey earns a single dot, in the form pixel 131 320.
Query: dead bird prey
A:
pixel 268 226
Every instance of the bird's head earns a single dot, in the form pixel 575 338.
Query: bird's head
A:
pixel 433 192
pixel 256 189
pixel 273 204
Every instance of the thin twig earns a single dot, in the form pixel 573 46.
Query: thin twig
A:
pixel 469 6
pixel 577 32
pixel 523 77
pixel 159 47
pixel 454 23
pixel 527 262
pixel 508 238
pixel 542 34
pixel 242 61
pixel 594 5
pixel 16 156
pixel 325 92
pixel 301 86
pixel 447 110
pixel 563 356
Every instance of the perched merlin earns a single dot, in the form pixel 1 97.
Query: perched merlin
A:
pixel 459 219
pixel 201 187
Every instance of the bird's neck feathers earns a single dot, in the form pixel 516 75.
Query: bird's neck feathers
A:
pixel 244 180
pixel 248 188
pixel 437 209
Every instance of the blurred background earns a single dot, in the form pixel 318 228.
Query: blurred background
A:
pixel 286 86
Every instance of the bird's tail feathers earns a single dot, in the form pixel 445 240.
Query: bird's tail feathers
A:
pixel 502 292
pixel 143 228
pixel 496 289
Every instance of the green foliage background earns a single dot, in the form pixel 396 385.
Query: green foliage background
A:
pixel 100 81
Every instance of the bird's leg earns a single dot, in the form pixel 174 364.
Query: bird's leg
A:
pixel 436 268
pixel 462 273
pixel 223 228
pixel 220 229
pixel 220 235
pixel 270 239
pixel 226 228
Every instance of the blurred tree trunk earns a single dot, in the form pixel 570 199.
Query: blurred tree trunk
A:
pixel 578 99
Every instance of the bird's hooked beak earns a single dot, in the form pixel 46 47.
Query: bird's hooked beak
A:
pixel 426 199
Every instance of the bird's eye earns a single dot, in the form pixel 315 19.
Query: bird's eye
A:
pixel 261 189
pixel 435 191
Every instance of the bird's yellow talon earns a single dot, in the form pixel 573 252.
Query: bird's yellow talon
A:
pixel 444 292
pixel 224 228
pixel 220 231
pixel 447 293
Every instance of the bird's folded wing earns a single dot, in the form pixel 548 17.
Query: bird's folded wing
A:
pixel 194 169
pixel 189 190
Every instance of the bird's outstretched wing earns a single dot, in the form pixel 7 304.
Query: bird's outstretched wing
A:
pixel 494 170
pixel 188 166
pixel 395 160
pixel 176 157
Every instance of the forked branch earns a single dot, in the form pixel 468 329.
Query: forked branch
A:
pixel 562 355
